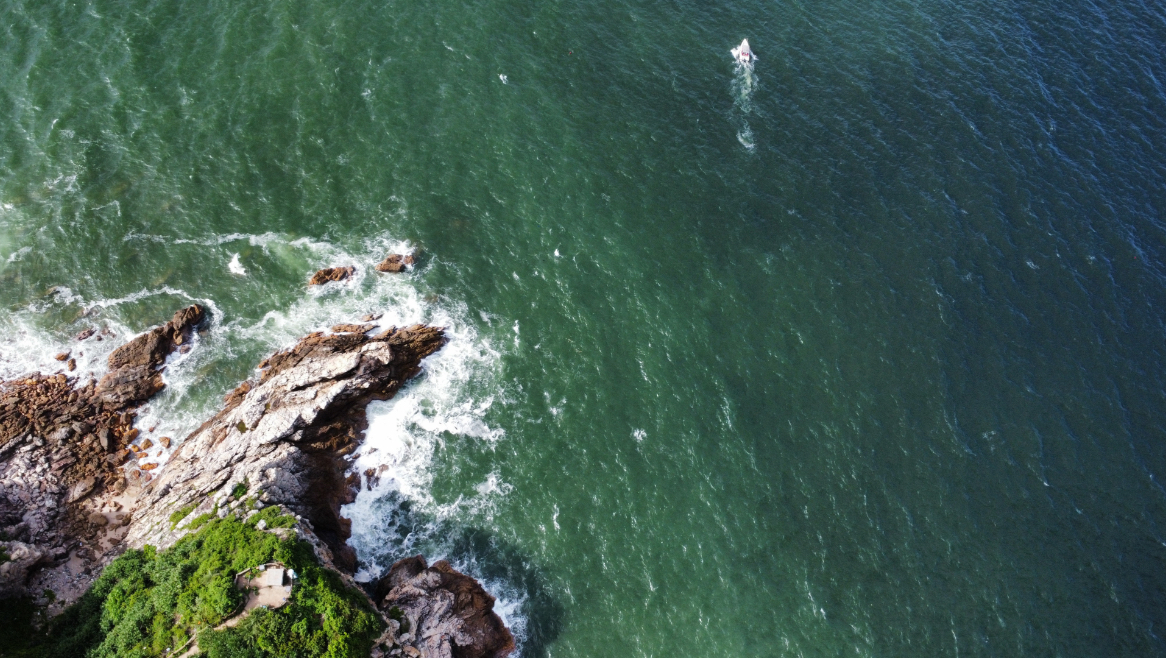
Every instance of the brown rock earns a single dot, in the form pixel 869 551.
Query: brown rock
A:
pixel 454 615
pixel 63 356
pixel 131 435
pixel 395 263
pixel 147 444
pixel 165 441
pixel 98 519
pixel 75 428
pixel 71 365
pixel 353 328
pixel 331 274
pixel 147 467
pixel 134 376
pixel 86 334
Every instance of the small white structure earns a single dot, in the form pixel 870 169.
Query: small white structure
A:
pixel 273 577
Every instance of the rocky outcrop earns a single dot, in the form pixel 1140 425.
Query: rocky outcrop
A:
pixel 285 436
pixel 331 274
pixel 442 613
pixel 62 440
pixel 395 263
pixel 16 560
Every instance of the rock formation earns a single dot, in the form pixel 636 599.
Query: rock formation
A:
pixel 442 613
pixel 283 438
pixel 331 274
pixel 285 435
pixel 16 560
pixel 62 441
pixel 395 263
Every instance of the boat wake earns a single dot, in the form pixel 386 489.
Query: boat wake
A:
pixel 743 87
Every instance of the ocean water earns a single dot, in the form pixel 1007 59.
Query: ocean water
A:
pixel 856 354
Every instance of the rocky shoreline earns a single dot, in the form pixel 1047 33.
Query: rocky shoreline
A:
pixel 76 489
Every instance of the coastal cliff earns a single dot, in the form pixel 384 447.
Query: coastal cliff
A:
pixel 77 488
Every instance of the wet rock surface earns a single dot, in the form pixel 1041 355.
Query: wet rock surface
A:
pixel 331 274
pixel 395 263
pixel 441 613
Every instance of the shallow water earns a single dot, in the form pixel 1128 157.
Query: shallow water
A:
pixel 857 354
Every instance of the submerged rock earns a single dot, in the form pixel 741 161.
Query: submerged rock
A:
pixel 446 614
pixel 331 274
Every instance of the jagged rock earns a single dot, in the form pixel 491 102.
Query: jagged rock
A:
pixel 134 377
pixel 331 274
pixel 87 333
pixel 288 433
pixel 449 614
pixel 395 263
pixel 63 356
pixel 14 571
pixel 81 489
pixel 81 424
pixel 352 328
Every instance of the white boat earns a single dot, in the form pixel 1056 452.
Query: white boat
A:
pixel 743 54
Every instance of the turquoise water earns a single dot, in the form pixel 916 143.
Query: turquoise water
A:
pixel 857 354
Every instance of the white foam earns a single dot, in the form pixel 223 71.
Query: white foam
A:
pixel 744 85
pixel 173 414
pixel 235 267
pixel 459 385
pixel 453 396
pixel 26 347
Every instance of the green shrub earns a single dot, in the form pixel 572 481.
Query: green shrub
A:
pixel 200 520
pixel 147 604
pixel 180 514
pixel 239 491
pixel 274 517
pixel 16 617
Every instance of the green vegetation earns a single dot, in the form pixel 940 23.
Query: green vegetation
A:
pixel 396 614
pixel 240 490
pixel 200 520
pixel 180 514
pixel 273 517
pixel 149 604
